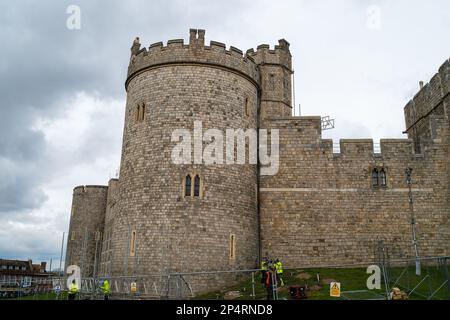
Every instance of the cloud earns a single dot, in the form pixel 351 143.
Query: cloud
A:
pixel 82 146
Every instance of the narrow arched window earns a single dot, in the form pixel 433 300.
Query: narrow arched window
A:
pixel 383 178
pixel 246 107
pixel 197 186
pixel 375 178
pixel 187 186
pixel 232 247
pixel 271 81
pixel 138 113
pixel 133 243
pixel 143 112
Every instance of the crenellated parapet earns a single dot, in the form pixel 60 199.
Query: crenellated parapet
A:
pixel 90 189
pixel 194 53
pixel 428 108
pixel 280 55
pixel 365 148
pixel 361 148
pixel 298 132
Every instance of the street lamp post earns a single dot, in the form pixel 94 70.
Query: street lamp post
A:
pixel 408 173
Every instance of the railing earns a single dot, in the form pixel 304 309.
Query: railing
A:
pixel 423 278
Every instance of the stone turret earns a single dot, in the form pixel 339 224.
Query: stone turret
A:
pixel 429 110
pixel 86 228
pixel 170 87
pixel 275 67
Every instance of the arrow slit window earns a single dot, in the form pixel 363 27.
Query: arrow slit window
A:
pixel 133 243
pixel 232 247
pixel 246 107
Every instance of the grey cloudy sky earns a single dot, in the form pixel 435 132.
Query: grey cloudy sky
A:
pixel 62 94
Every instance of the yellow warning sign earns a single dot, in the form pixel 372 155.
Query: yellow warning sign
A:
pixel 335 289
pixel 133 287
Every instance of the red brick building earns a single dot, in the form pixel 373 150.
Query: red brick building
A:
pixel 22 276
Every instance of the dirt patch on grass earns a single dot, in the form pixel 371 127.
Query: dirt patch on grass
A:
pixel 303 276
pixel 283 289
pixel 231 295
pixel 315 288
pixel 327 281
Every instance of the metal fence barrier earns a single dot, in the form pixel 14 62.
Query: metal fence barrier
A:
pixel 432 282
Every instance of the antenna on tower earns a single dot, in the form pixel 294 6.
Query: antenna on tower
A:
pixel 293 90
pixel 327 123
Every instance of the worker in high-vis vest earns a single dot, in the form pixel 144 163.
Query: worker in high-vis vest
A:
pixel 105 289
pixel 73 290
pixel 279 271
pixel 270 278
pixel 263 271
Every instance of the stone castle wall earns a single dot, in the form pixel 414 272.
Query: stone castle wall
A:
pixel 321 208
pixel 110 217
pixel 84 243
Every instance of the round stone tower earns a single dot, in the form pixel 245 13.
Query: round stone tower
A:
pixel 193 216
pixel 86 228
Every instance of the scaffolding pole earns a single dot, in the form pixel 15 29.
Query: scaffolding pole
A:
pixel 408 173
pixel 62 249
pixel 97 238
pixel 83 252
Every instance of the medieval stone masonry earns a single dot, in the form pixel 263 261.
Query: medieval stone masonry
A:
pixel 321 207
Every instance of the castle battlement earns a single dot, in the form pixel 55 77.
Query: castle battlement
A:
pixel 356 147
pixel 429 96
pixel 365 148
pixel 280 55
pixel 307 130
pixel 89 189
pixel 196 52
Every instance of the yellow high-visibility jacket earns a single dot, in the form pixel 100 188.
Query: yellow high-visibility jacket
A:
pixel 73 288
pixel 263 266
pixel 279 267
pixel 105 287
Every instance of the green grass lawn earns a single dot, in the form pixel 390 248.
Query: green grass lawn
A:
pixel 351 279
